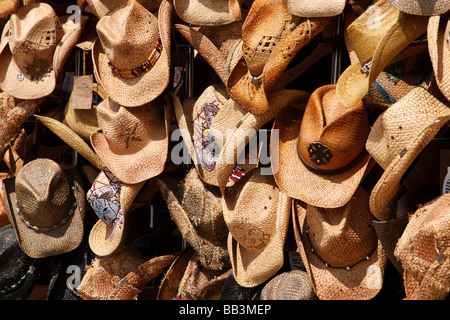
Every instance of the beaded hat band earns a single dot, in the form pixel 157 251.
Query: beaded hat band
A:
pixel 144 67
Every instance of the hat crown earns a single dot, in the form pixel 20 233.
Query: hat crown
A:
pixel 331 136
pixel 128 35
pixel 35 31
pixel 343 236
pixel 44 196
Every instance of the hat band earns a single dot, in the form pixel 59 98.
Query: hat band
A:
pixel 331 171
pixel 55 226
pixel 144 67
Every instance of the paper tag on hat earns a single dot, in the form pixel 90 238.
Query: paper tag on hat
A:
pixel 82 92
pixel 295 261
pixel 444 170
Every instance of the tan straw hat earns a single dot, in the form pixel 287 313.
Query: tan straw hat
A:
pixel 311 9
pixel 111 200
pixel 290 285
pixel 439 50
pixel 46 207
pixel 397 137
pixel 423 251
pixel 271 37
pixel 422 7
pixel 257 215
pixel 34 50
pixel 134 141
pixel 208 12
pixel 340 249
pixel 377 36
pixel 101 7
pixel 8 7
pixel 132 59
pixel 321 152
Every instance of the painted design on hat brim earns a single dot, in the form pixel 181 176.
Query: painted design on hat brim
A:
pixel 297 181
pixel 147 87
pixel 362 282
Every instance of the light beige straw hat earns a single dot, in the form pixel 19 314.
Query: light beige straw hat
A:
pixel 289 285
pixel 397 137
pixel 208 12
pixel 439 50
pixel 422 7
pixel 340 249
pixel 46 207
pixel 132 59
pixel 257 215
pixel 101 7
pixel 134 142
pixel 34 50
pixel 321 151
pixel 377 36
pixel 311 9
pixel 424 249
pixel 111 200
pixel 8 7
pixel 271 37
pixel 196 209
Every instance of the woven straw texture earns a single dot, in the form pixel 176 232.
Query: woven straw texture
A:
pixel 134 142
pixel 423 251
pixel 39 43
pixel 396 139
pixel 376 46
pixel 322 190
pixel 127 43
pixel 422 7
pixel 46 208
pixel 8 7
pixel 257 215
pixel 101 8
pixel 311 9
pixel 292 285
pixel 208 12
pixel 330 240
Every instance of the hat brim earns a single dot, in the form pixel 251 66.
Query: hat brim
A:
pixel 151 84
pixel 208 12
pixel 421 7
pixel 362 282
pixel 299 182
pixel 143 164
pixel 26 88
pixel 52 242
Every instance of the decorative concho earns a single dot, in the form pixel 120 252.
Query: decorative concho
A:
pixel 319 153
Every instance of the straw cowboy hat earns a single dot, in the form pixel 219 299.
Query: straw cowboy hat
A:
pixel 340 249
pixel 132 59
pixel 100 8
pixel 111 200
pixel 34 49
pixel 257 215
pixel 377 36
pixel 8 7
pixel 133 142
pixel 397 137
pixel 438 47
pixel 321 149
pixel 46 206
pixel 196 208
pixel 423 251
pixel 121 275
pixel 271 38
pixel 208 12
pixel 305 8
pixel 422 7
pixel 290 285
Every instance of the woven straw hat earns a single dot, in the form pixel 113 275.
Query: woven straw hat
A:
pixel 100 7
pixel 397 137
pixel 121 275
pixel 196 208
pixel 257 216
pixel 423 251
pixel 8 7
pixel 3 216
pixel 290 285
pixel 208 12
pixel 340 249
pixel 439 48
pixel 322 150
pixel 133 142
pixel 34 50
pixel 271 38
pixel 111 200
pixel 46 206
pixel 305 8
pixel 377 36
pixel 422 7
pixel 125 44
